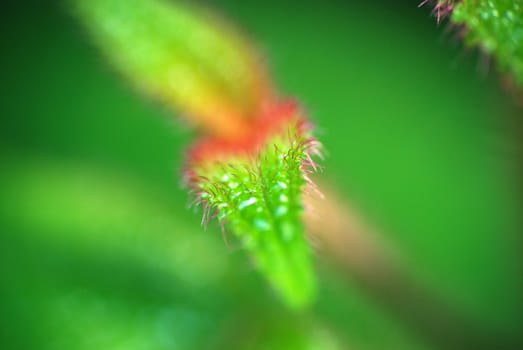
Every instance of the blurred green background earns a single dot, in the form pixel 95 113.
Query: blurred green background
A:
pixel 98 248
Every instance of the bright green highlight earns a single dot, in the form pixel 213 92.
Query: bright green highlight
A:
pixel 260 201
pixel 497 27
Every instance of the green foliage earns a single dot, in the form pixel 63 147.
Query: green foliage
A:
pixel 90 259
pixel 259 198
pixel 496 26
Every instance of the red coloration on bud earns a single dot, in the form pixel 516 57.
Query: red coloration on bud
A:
pixel 275 119
pixel 441 8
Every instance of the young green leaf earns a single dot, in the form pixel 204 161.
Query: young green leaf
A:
pixel 255 189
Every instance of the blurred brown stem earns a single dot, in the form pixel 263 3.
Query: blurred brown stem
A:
pixel 368 260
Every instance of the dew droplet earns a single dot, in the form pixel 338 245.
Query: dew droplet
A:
pixel 247 203
pixel 282 185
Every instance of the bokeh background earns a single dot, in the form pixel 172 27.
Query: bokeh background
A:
pixel 98 249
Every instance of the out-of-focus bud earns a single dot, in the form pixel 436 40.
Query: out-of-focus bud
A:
pixel 182 56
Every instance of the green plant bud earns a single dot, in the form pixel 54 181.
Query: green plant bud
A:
pixel 496 26
pixel 255 190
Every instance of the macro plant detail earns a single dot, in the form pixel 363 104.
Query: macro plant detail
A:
pixel 494 26
pixel 250 169
pixel 441 9
pixel 157 175
pixel 255 187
